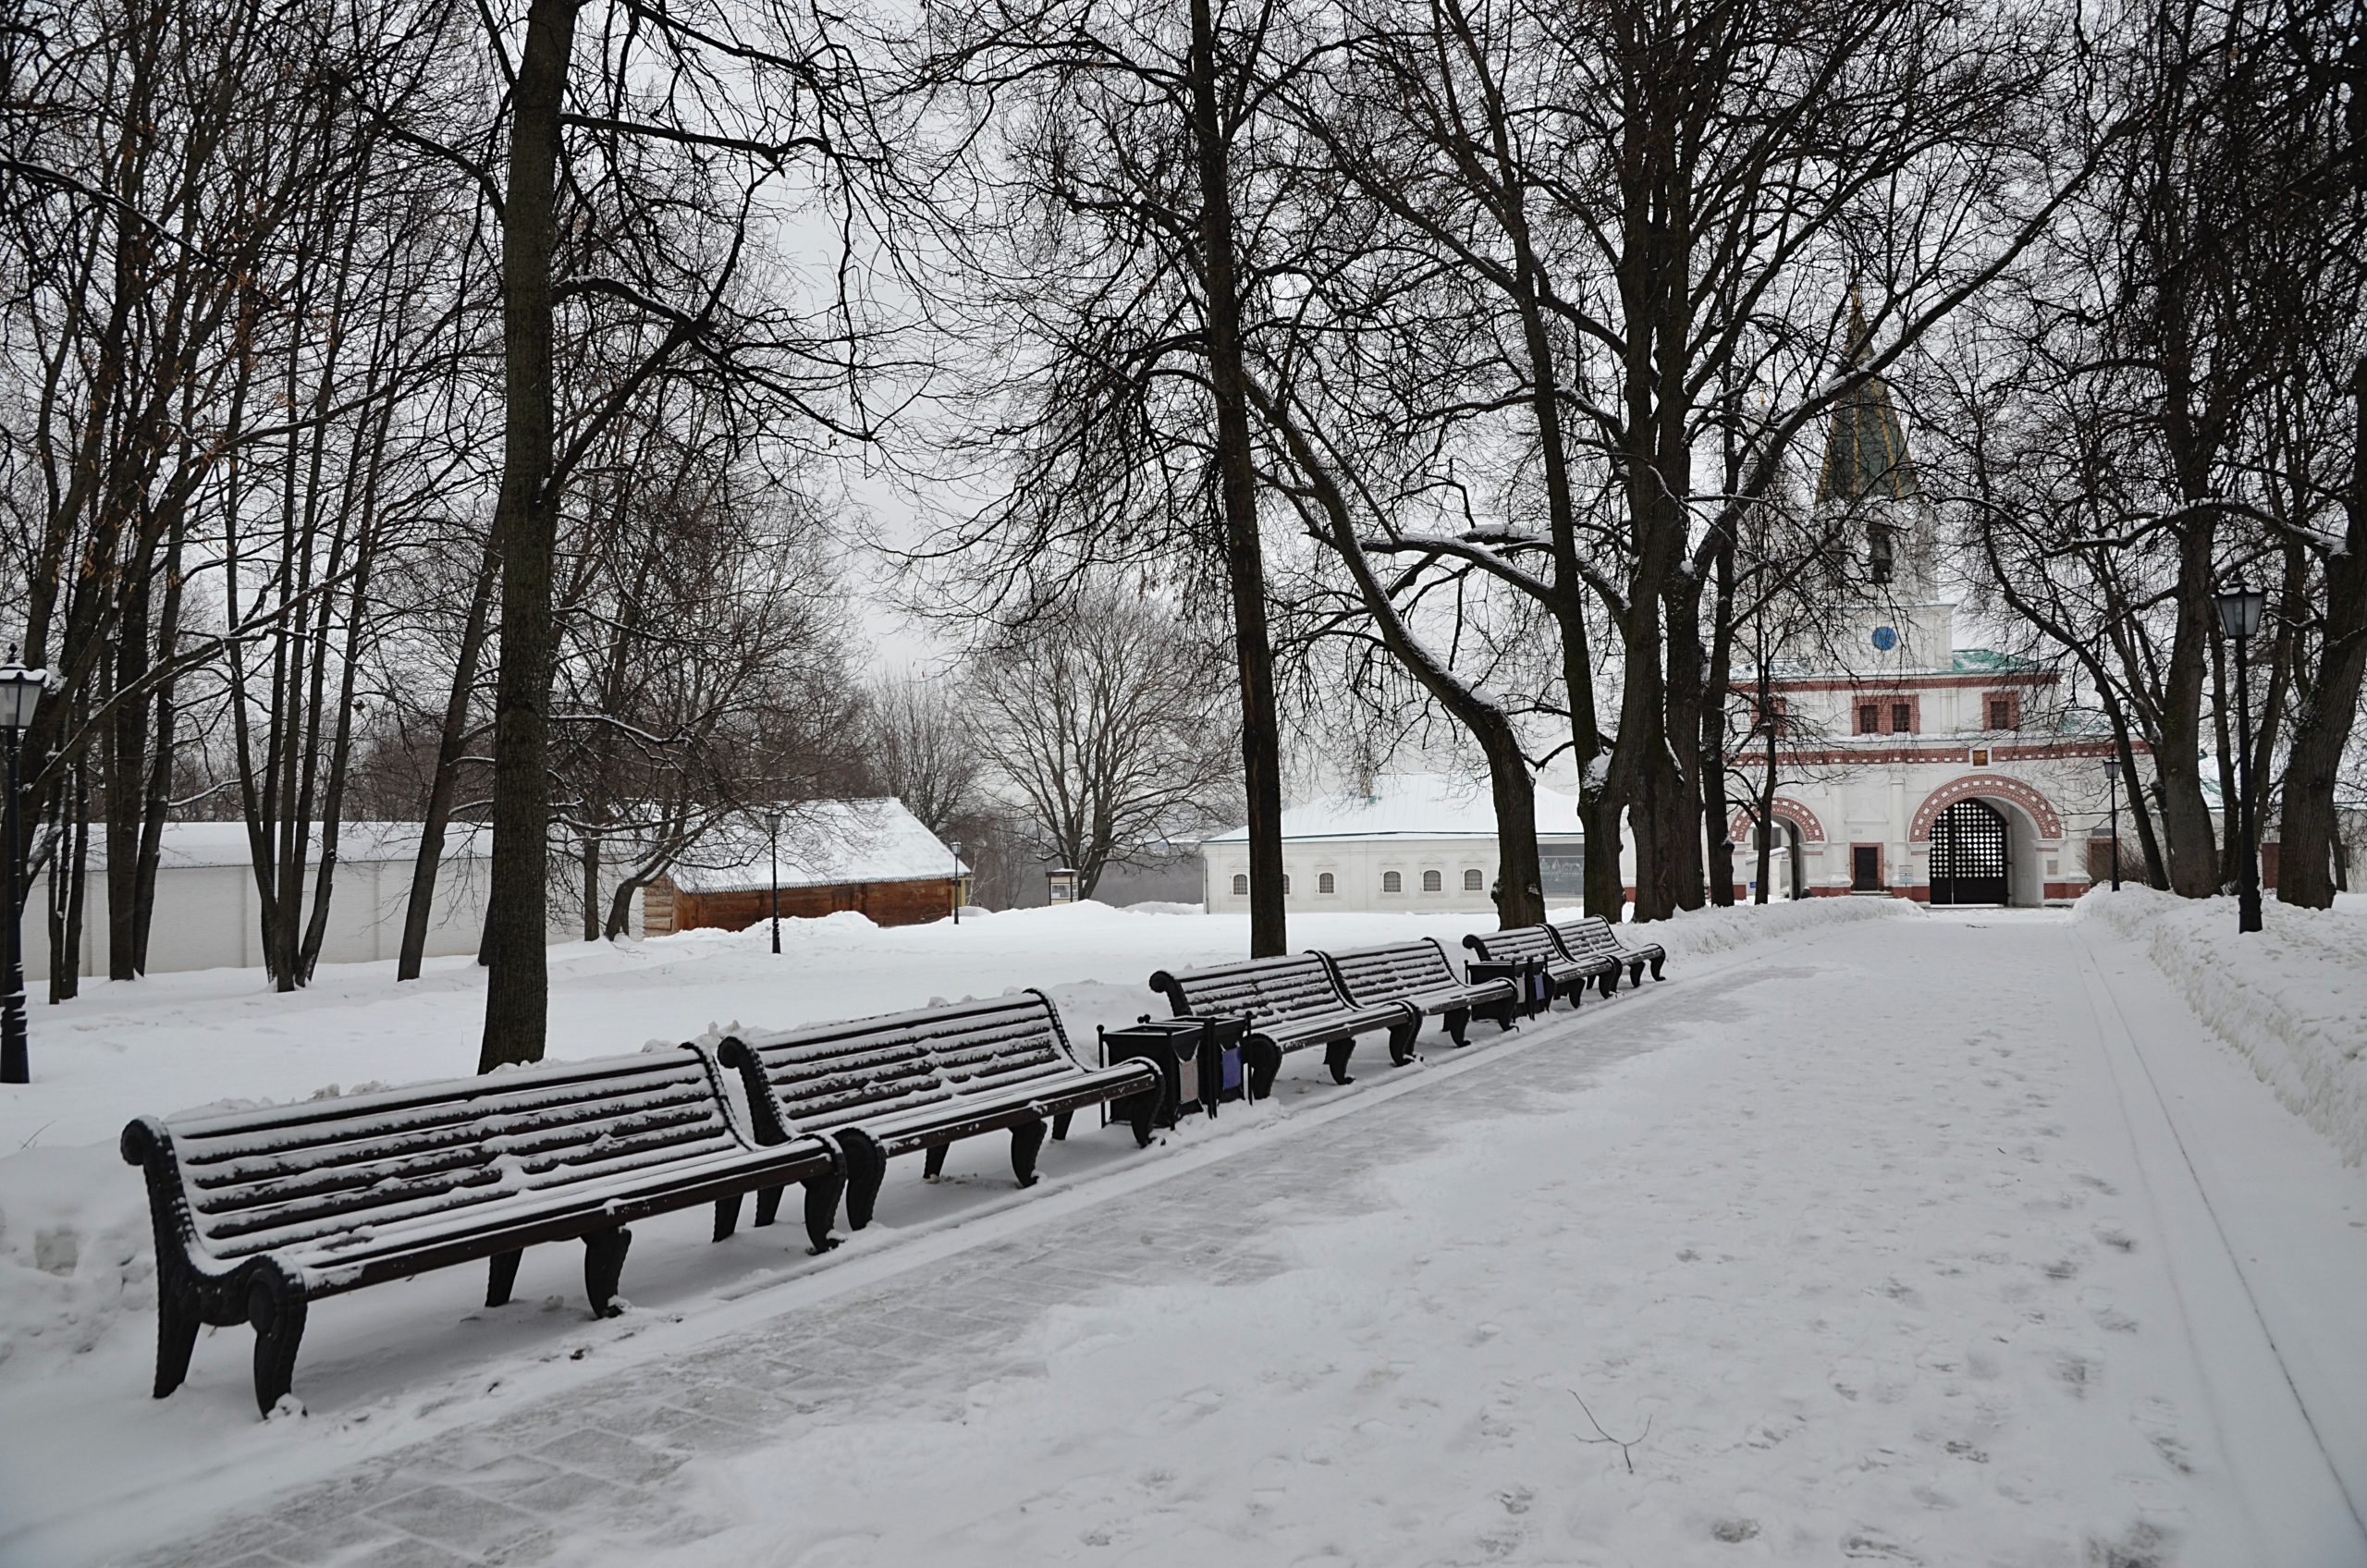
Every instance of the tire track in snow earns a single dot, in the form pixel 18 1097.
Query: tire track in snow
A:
pixel 2288 1486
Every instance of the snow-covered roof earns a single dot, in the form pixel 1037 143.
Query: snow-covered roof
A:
pixel 190 844
pixel 1412 805
pixel 823 843
pixel 1988 661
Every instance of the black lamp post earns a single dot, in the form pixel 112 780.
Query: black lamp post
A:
pixel 2112 783
pixel 21 691
pixel 957 881
pixel 772 829
pixel 2240 608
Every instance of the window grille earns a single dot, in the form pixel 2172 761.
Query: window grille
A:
pixel 1902 719
pixel 1471 882
pixel 1870 719
pixel 1433 882
pixel 1392 882
pixel 1240 887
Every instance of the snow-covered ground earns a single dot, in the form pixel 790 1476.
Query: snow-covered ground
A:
pixel 1874 1235
pixel 2292 997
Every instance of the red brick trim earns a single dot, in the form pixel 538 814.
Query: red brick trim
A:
pixel 1788 810
pixel 1946 748
pixel 2012 701
pixel 1893 682
pixel 1991 785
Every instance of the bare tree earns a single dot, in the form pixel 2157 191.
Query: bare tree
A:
pixel 1108 723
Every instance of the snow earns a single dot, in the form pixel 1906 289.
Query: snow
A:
pixel 823 843
pixel 2292 997
pixel 1411 805
pixel 1874 1234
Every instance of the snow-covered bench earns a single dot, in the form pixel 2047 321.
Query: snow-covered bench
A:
pixel 1593 938
pixel 1292 1003
pixel 259 1213
pixel 908 1082
pixel 1565 975
pixel 1423 977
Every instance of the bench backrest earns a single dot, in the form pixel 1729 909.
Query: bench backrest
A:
pixel 1590 938
pixel 1264 991
pixel 282 1176
pixel 1399 969
pixel 1526 942
pixel 833 1075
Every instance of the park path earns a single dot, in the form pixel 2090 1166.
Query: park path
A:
pixel 1913 1242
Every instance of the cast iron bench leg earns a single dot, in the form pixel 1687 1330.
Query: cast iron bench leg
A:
pixel 604 1268
pixel 1335 1057
pixel 276 1308
pixel 1457 1020
pixel 933 1162
pixel 1027 1142
pixel 727 1216
pixel 1401 1040
pixel 1656 968
pixel 502 1277
pixel 1263 1068
pixel 1608 983
pixel 1060 1127
pixel 1141 1113
pixel 768 1207
pixel 178 1321
pixel 822 1196
pixel 866 1168
pixel 1635 973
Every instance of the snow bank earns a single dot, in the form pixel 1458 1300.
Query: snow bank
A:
pixel 1697 932
pixel 2291 997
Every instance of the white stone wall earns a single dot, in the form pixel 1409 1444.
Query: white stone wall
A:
pixel 206 917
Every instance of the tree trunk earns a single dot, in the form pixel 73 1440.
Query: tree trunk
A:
pixel 1245 558
pixel 591 853
pixel 450 744
pixel 526 521
pixel 1716 823
pixel 2189 844
pixel 2307 869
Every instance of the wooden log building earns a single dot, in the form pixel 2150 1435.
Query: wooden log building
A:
pixel 871 856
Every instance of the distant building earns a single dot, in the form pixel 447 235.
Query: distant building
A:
pixel 1406 842
pixel 1907 766
pixel 207 914
pixel 872 856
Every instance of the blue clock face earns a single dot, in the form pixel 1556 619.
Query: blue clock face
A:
pixel 1886 638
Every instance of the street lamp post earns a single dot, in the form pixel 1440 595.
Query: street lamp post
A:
pixel 772 831
pixel 957 881
pixel 21 691
pixel 2112 783
pixel 2240 608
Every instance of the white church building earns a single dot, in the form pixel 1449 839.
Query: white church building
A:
pixel 1908 765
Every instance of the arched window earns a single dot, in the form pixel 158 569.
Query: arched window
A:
pixel 1327 882
pixel 1392 882
pixel 1433 882
pixel 1286 887
pixel 1471 881
pixel 1240 886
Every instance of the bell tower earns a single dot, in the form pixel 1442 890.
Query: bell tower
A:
pixel 1868 486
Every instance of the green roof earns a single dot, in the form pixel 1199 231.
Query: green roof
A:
pixel 1983 661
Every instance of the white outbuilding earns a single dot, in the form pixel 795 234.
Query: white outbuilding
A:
pixel 1403 841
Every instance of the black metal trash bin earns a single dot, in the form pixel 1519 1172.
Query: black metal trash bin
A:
pixel 1199 1060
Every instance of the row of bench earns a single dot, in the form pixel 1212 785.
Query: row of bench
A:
pixel 260 1212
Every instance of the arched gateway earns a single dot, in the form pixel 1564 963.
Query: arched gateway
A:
pixel 1970 863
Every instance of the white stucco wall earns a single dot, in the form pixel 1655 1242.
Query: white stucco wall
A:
pixel 1358 869
pixel 206 916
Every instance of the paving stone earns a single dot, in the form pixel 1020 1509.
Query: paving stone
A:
pixel 609 1455
pixel 456 1517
